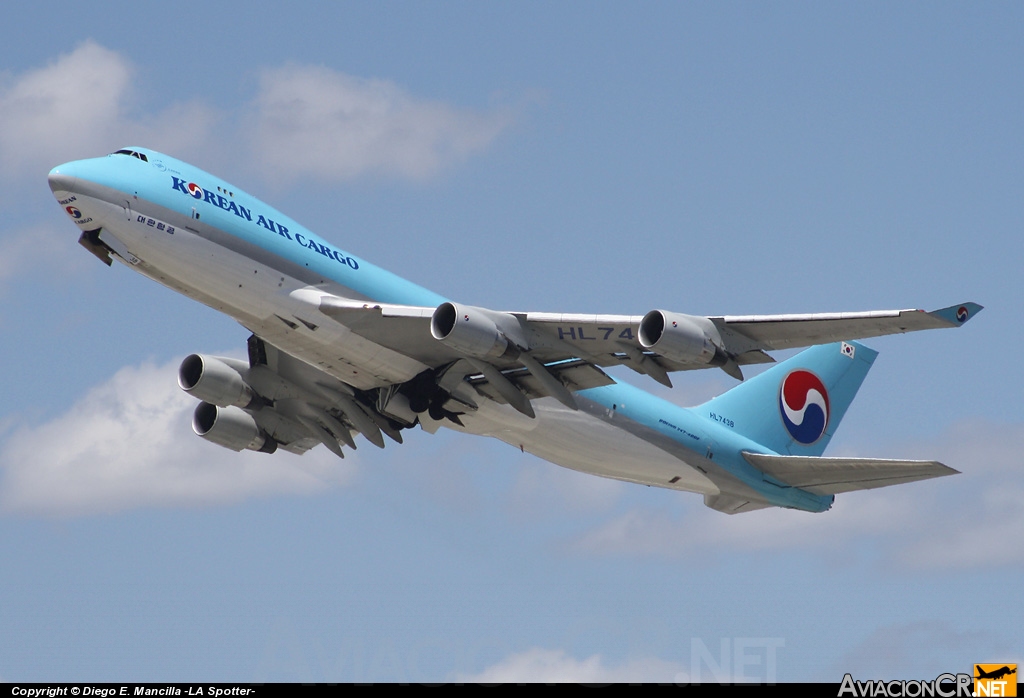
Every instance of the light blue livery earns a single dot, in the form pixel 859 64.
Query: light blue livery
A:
pixel 342 349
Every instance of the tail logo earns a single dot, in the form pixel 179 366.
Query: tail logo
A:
pixel 962 314
pixel 803 404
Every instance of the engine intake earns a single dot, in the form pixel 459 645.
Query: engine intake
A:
pixel 231 427
pixel 682 338
pixel 477 332
pixel 216 380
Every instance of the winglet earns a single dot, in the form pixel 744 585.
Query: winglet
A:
pixel 957 315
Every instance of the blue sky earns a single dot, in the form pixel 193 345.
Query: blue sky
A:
pixel 725 159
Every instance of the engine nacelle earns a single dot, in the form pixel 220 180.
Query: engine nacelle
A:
pixel 230 427
pixel 216 380
pixel 477 332
pixel 682 338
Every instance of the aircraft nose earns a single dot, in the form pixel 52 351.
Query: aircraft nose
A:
pixel 61 180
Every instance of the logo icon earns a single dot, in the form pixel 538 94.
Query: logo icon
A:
pixel 803 403
pixel 995 679
pixel 195 190
pixel 73 212
pixel 962 314
pixel 848 350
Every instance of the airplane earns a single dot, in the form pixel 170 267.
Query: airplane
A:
pixel 341 349
pixel 995 674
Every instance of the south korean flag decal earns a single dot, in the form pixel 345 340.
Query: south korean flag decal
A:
pixel 847 350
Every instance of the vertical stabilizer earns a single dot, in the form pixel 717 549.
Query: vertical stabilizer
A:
pixel 795 406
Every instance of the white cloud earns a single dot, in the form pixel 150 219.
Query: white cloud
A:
pixel 311 120
pixel 67 107
pixel 539 665
pixel 303 121
pixel 77 107
pixel 972 519
pixel 128 444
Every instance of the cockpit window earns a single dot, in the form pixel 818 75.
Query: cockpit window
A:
pixel 140 156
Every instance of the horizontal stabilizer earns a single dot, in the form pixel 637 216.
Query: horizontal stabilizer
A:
pixel 826 476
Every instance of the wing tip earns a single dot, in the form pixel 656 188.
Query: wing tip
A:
pixel 959 314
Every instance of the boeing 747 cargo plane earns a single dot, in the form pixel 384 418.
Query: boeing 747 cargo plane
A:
pixel 342 350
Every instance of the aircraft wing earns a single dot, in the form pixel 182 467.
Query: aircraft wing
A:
pixel 655 344
pixel 789 331
pixel 551 338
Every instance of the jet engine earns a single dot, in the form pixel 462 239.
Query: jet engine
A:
pixel 477 332
pixel 216 380
pixel 231 427
pixel 682 338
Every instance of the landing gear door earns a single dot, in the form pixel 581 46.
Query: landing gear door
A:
pixel 118 247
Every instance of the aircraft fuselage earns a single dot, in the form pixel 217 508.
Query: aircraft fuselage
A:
pixel 207 239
